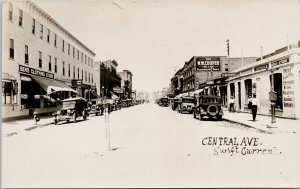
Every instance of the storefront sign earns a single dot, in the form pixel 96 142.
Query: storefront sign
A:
pixel 261 67
pixel 228 74
pixel 288 88
pixel 208 63
pixel 32 71
pixel 76 82
pixel 279 62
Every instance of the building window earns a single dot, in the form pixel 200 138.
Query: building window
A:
pixel 68 49
pixel 81 57
pixel 48 36
pixel 69 71
pixel 73 52
pixel 63 45
pixel 92 78
pixel 26 54
pixel 85 78
pixel 73 72
pixel 88 61
pixel 55 65
pixel 85 59
pixel 42 31
pixel 277 84
pixel 89 77
pixel 63 68
pixel 11 49
pixel 50 66
pixel 54 40
pixel 40 59
pixel 77 54
pixel 77 73
pixel 20 17
pixel 92 63
pixel 10 12
pixel 33 26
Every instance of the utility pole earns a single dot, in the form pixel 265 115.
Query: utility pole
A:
pixel 228 54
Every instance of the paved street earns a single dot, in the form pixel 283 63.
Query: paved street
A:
pixel 151 146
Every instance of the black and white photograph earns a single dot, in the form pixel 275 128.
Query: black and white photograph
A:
pixel 150 93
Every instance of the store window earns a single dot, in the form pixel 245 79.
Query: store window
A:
pixel 50 66
pixel 277 83
pixel 55 40
pixel 77 54
pixel 55 65
pixel 63 69
pixel 73 52
pixel 69 49
pixel 248 89
pixel 9 92
pixel 63 45
pixel 48 36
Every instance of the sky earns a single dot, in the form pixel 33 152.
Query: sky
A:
pixel 154 38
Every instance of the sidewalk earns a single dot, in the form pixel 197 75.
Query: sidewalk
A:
pixel 13 127
pixel 263 122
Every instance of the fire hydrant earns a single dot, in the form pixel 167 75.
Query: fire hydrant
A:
pixel 36 117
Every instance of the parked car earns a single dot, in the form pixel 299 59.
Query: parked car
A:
pixel 72 109
pixel 97 107
pixel 175 103
pixel 164 102
pixel 209 106
pixel 186 104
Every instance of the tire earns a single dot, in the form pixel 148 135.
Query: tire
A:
pixel 74 117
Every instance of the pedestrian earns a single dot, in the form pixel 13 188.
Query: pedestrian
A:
pixel 231 104
pixel 254 105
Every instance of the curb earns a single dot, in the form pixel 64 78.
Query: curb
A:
pixel 249 126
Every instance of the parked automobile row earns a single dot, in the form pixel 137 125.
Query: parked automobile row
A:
pixel 76 108
pixel 200 106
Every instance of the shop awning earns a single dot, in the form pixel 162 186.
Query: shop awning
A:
pixel 51 85
pixel 196 92
pixel 91 94
pixel 113 96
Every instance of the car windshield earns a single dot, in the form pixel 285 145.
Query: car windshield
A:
pixel 69 104
pixel 164 100
pixel 188 100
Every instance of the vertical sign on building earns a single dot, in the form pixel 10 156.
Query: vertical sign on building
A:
pixel 288 91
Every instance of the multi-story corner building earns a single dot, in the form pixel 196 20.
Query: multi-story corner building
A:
pixel 42 62
pixel 108 81
pixel 279 72
pixel 126 83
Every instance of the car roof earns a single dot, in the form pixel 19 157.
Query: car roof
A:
pixel 73 99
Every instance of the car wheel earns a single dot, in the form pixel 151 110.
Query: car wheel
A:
pixel 200 117
pixel 74 118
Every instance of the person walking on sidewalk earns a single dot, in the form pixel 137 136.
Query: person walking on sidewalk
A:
pixel 254 105
pixel 231 104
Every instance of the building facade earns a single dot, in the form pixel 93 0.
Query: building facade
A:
pixel 108 81
pixel 279 72
pixel 126 83
pixel 41 61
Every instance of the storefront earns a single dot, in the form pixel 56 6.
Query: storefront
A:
pixel 279 73
pixel 32 91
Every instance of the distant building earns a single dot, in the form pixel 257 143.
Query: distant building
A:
pixel 108 81
pixel 126 83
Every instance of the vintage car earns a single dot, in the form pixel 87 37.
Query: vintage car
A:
pixel 209 106
pixel 164 102
pixel 175 103
pixel 97 106
pixel 186 104
pixel 71 110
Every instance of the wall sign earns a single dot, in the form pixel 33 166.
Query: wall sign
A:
pixel 32 71
pixel 208 63
pixel 288 88
pixel 279 62
pixel 261 67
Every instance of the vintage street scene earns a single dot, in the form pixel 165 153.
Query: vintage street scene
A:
pixel 150 93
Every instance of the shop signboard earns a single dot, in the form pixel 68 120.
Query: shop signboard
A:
pixel 76 82
pixel 261 67
pixel 228 74
pixel 288 88
pixel 279 62
pixel 208 63
pixel 32 71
